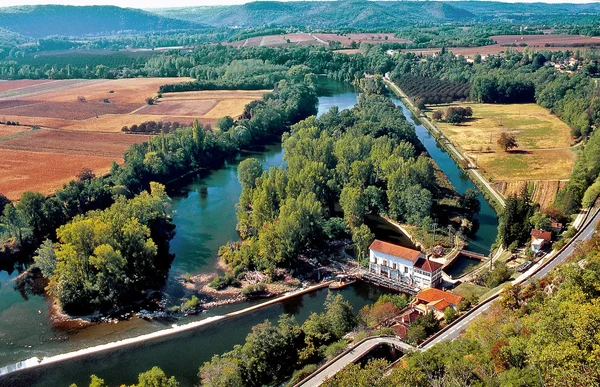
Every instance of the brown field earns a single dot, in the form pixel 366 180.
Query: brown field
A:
pixel 56 104
pixel 542 40
pixel 544 155
pixel 80 129
pixel 304 39
pixel 544 192
pixel 506 42
pixel 20 84
pixel 7 131
pixel 43 172
pixel 68 142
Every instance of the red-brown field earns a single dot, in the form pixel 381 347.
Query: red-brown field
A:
pixel 304 39
pixel 43 172
pixel 68 142
pixel 80 124
pixel 514 42
pixel 11 85
pixel 542 40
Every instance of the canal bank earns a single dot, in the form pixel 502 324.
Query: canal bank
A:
pixel 486 234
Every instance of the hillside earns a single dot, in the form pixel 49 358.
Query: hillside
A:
pixel 377 14
pixel 316 14
pixel 46 20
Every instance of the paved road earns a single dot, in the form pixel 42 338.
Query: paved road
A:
pixel 585 234
pixel 351 357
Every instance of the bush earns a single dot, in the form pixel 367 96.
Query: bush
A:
pixel 254 290
pixel 501 273
pixel 335 349
pixel 190 304
pixel 302 373
pixel 221 282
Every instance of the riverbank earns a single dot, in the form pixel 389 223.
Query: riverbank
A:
pixel 491 195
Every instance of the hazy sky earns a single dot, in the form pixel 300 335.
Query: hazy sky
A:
pixel 185 3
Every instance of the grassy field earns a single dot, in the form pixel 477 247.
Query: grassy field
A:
pixel 544 141
pixel 468 290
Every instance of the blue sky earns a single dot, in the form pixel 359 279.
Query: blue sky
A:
pixel 184 3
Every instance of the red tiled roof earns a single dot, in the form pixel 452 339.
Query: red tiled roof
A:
pixel 400 330
pixel 428 265
pixel 432 295
pixel 440 305
pixel 410 316
pixel 395 250
pixel 545 235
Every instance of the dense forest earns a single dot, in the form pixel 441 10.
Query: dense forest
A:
pixel 367 159
pixel 382 14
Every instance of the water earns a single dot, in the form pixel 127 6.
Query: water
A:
pixel 181 354
pixel 485 236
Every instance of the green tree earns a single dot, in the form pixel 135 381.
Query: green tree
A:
pixel 362 237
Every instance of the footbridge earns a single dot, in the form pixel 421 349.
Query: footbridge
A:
pixel 352 355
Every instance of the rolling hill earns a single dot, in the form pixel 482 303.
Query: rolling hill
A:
pixel 49 20
pixel 377 14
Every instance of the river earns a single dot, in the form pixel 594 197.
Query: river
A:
pixel 204 214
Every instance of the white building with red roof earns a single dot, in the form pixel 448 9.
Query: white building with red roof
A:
pixel 405 265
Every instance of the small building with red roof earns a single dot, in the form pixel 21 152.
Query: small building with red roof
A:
pixel 405 265
pixel 539 239
pixel 436 301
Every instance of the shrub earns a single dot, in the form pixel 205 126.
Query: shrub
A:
pixel 190 304
pixel 254 290
pixel 302 373
pixel 221 282
pixel 335 349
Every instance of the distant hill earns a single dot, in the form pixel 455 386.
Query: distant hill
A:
pixel 375 14
pixel 47 20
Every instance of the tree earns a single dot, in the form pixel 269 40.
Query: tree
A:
pixel 3 202
pixel 225 123
pixel 416 334
pixel 221 371
pixel 437 115
pixel 450 315
pixel 353 204
pixel 248 171
pixel 540 221
pixel 45 258
pixel 469 201
pixel 156 378
pixel 362 238
pixel 507 141
pixel 86 174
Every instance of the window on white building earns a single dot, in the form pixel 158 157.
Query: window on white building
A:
pixel 406 269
